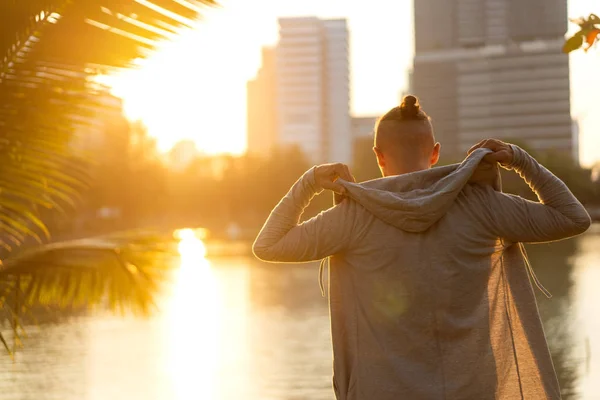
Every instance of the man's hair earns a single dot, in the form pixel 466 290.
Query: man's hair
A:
pixel 398 123
pixel 408 110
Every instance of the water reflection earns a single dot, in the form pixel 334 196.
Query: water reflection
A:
pixel 235 328
pixel 585 301
pixel 193 322
pixel 570 270
pixel 553 265
pixel 291 340
pixel 52 368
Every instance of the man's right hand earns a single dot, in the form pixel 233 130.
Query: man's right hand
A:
pixel 326 176
pixel 502 152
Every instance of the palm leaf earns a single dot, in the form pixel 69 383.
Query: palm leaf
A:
pixel 122 271
pixel 589 30
pixel 49 52
pixel 574 42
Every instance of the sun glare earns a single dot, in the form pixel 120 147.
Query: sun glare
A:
pixel 194 313
pixel 195 86
pixel 190 247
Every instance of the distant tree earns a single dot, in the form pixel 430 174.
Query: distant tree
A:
pixel 126 176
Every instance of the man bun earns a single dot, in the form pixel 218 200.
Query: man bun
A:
pixel 408 111
pixel 410 108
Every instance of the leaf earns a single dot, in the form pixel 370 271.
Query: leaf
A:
pixel 49 52
pixel 573 43
pixel 73 271
pixel 591 38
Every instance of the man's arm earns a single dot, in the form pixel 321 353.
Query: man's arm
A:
pixel 282 239
pixel 557 215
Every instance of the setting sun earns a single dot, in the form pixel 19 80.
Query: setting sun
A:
pixel 195 86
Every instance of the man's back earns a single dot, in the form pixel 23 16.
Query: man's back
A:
pixel 429 293
pixel 423 308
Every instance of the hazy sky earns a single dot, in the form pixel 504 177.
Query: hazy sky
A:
pixel 207 92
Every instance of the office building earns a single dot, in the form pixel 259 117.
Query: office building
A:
pixel 494 68
pixel 261 111
pixel 363 127
pixel 310 95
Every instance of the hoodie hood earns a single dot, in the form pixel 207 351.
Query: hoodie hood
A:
pixel 415 201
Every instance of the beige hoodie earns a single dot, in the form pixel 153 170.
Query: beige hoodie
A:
pixel 429 291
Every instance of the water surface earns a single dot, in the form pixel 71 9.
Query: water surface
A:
pixel 235 328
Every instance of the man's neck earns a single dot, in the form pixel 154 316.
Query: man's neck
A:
pixel 405 170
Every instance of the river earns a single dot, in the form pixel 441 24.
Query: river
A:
pixel 236 328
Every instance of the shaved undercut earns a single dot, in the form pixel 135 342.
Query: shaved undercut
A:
pixel 405 131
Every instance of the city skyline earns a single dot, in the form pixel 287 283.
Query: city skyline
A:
pixel 488 72
pixel 381 58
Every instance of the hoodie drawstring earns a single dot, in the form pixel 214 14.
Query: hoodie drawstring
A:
pixel 532 272
pixel 324 263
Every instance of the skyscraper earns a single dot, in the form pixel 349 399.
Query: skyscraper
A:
pixel 363 127
pixel 310 90
pixel 494 68
pixel 261 110
pixel 339 140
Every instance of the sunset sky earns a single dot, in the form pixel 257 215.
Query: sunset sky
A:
pixel 195 87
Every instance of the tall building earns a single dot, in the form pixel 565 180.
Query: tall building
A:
pixel 311 94
pixel 494 68
pixel 338 140
pixel 261 110
pixel 363 127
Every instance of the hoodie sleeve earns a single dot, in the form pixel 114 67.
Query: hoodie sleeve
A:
pixel 557 215
pixel 282 239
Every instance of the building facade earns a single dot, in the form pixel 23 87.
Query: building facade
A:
pixel 491 68
pixel 261 112
pixel 310 95
pixel 363 127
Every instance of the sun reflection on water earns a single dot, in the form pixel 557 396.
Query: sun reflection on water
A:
pixel 193 322
pixel 191 248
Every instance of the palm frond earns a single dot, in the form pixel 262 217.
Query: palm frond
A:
pixel 49 52
pixel 125 270
pixel 102 32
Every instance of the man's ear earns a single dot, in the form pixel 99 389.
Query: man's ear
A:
pixel 435 154
pixel 380 158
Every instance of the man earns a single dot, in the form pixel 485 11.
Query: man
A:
pixel 429 290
